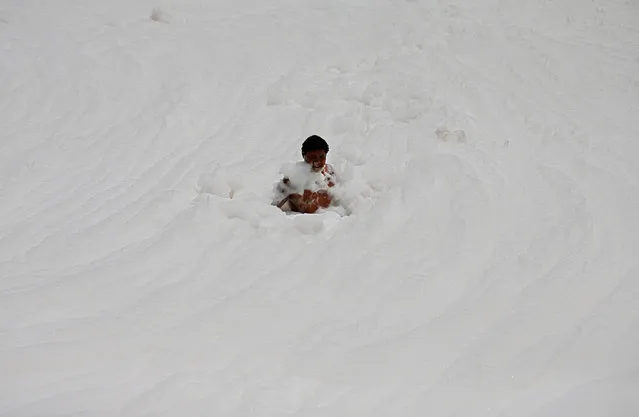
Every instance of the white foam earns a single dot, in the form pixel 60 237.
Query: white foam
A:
pixel 481 258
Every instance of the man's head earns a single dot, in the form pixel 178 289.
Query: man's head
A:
pixel 314 150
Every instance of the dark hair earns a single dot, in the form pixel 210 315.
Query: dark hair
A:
pixel 314 143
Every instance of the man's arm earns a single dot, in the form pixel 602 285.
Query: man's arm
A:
pixel 310 201
pixel 282 192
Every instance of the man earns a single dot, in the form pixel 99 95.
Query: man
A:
pixel 305 186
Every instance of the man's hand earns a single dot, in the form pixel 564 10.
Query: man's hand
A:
pixel 323 199
pixel 310 201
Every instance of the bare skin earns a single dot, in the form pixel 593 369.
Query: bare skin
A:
pixel 310 202
pixel 316 159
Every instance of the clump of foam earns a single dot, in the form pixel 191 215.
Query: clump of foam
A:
pixel 355 189
pixel 298 175
pixel 301 177
pixel 220 182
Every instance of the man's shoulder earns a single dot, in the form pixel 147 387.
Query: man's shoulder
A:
pixel 329 175
pixel 328 169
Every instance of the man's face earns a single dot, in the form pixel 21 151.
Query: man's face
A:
pixel 316 159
